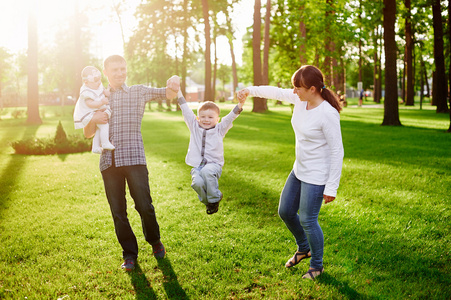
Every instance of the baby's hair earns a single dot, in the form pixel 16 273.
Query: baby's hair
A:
pixel 209 105
pixel 113 59
pixel 89 72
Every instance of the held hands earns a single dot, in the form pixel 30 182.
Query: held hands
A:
pixel 105 101
pixel 172 86
pixel 242 95
pixel 328 199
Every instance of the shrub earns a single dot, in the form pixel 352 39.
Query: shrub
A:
pixel 60 144
pixel 60 136
pixel 16 114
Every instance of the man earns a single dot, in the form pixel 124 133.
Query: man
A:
pixel 127 162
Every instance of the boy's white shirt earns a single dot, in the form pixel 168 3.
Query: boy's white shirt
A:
pixel 319 147
pixel 214 147
pixel 82 112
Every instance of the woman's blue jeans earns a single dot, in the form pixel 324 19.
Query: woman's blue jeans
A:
pixel 298 196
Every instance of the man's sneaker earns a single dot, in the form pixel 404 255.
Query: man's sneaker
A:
pixel 158 250
pixel 129 264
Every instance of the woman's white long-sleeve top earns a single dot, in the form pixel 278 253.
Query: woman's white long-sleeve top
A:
pixel 319 146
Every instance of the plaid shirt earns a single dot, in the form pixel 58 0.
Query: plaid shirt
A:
pixel 128 104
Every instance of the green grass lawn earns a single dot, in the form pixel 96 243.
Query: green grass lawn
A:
pixel 387 235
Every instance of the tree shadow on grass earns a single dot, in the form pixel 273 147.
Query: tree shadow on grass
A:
pixel 13 169
pixel 170 283
pixel 142 286
pixel 342 287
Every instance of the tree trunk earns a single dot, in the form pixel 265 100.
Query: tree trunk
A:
pixel 215 67
pixel 391 110
pixel 78 53
pixel 232 54
pixel 409 50
pixel 449 68
pixel 303 33
pixel 185 49
pixel 360 43
pixel 329 45
pixel 428 90
pixel 421 75
pixel 265 79
pixel 403 79
pixel 205 11
pixel 441 92
pixel 259 103
pixel 33 89
pixel 375 67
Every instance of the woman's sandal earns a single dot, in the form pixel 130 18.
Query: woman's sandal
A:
pixel 294 260
pixel 313 273
pixel 212 208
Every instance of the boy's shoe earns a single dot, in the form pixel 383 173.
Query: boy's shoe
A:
pixel 212 208
pixel 129 264
pixel 158 250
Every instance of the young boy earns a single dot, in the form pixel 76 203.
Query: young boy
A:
pixel 206 150
pixel 93 96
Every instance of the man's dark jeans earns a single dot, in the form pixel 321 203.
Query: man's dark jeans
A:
pixel 137 178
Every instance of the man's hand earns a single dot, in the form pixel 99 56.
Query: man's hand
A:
pixel 172 87
pixel 328 199
pixel 99 117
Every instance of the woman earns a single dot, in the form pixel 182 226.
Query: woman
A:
pixel 319 158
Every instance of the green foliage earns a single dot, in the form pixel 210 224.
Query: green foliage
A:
pixel 60 144
pixel 45 146
pixel 18 113
pixel 5 65
pixel 60 136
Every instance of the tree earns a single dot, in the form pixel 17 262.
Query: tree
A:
pixel 259 103
pixel 440 92
pixel 409 51
pixel 229 36
pixel 303 35
pixel 391 110
pixel 161 25
pixel 376 68
pixel 33 89
pixel 78 52
pixel 185 26
pixel 5 66
pixel 118 10
pixel 224 75
pixel 265 74
pixel 449 69
pixel 206 14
